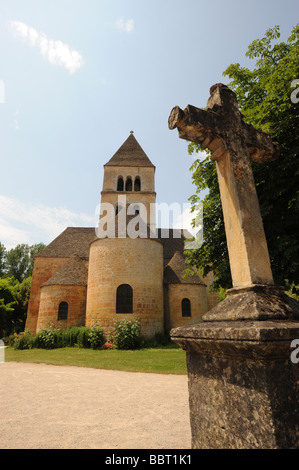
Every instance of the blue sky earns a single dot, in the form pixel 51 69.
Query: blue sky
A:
pixel 78 76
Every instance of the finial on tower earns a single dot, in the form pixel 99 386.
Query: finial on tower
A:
pixel 131 132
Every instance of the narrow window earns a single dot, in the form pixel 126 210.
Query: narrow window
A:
pixel 137 185
pixel 124 299
pixel 63 311
pixel 129 184
pixel 186 308
pixel 120 184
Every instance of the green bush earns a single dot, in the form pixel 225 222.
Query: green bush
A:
pixel 48 338
pixel 126 334
pixel 70 336
pixel 23 341
pixel 96 337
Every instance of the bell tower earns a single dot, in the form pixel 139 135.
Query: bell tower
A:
pixel 129 181
pixel 125 275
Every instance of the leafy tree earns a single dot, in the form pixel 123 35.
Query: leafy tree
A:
pixel 7 304
pixel 16 268
pixel 14 297
pixel 2 259
pixel 19 260
pixel 264 97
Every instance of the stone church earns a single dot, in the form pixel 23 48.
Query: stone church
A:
pixel 81 278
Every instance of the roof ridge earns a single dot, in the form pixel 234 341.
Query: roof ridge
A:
pixel 130 153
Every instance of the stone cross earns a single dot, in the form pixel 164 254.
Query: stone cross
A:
pixel 233 144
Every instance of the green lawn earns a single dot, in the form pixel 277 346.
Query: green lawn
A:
pixel 164 360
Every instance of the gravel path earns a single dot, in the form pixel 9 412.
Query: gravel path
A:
pixel 56 407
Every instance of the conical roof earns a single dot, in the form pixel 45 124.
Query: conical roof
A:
pixel 130 154
pixel 173 272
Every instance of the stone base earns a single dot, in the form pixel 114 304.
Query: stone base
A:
pixel 243 386
pixel 257 302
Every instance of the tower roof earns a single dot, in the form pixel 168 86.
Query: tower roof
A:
pixel 130 154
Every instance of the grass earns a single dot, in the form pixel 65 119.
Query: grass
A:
pixel 163 360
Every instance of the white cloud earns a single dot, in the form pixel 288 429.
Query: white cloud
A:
pixel 56 52
pixel 126 26
pixel 184 220
pixel 25 223
pixel 16 120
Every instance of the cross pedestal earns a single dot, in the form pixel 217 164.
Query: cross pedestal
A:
pixel 243 386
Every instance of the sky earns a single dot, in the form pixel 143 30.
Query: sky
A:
pixel 77 76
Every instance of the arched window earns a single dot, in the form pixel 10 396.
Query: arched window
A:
pixel 124 299
pixel 186 308
pixel 129 184
pixel 120 184
pixel 63 311
pixel 137 184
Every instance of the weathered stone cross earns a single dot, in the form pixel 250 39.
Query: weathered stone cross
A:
pixel 233 143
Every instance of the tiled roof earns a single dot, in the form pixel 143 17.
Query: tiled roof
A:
pixel 74 243
pixel 130 154
pixel 76 240
pixel 173 272
pixel 73 240
pixel 73 273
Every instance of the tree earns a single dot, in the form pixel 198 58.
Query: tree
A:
pixel 264 96
pixel 14 297
pixel 19 260
pixel 7 304
pixel 2 259
pixel 16 268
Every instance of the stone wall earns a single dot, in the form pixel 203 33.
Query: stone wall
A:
pixel 44 268
pixel 137 262
pixel 52 296
pixel 197 295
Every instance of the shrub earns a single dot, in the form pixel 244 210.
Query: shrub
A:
pixel 96 336
pixel 126 334
pixel 51 338
pixel 23 341
pixel 48 338
pixel 83 337
pixel 70 336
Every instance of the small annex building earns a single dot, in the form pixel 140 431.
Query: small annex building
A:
pixel 81 278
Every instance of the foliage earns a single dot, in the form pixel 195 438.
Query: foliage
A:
pixel 264 99
pixel 126 333
pixel 14 296
pixel 52 338
pixel 48 338
pixel 292 290
pixel 96 337
pixel 19 260
pixel 2 259
pixel 7 305
pixel 23 341
pixel 16 266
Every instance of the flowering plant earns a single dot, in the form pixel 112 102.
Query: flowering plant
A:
pixel 108 345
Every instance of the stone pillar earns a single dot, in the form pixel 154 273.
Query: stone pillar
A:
pixel 243 387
